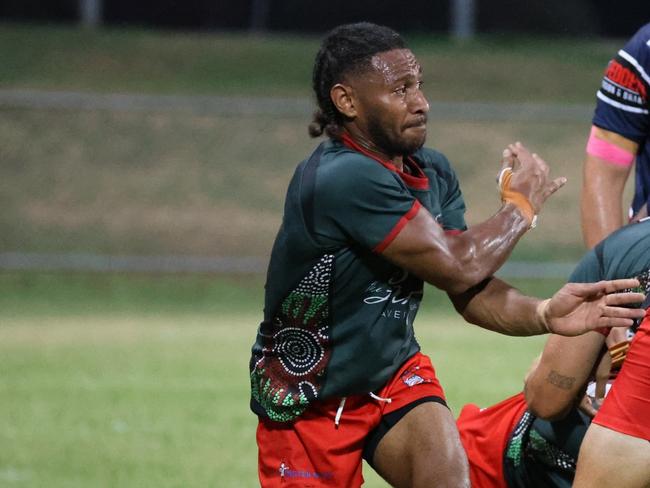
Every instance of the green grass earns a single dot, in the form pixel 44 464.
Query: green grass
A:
pixel 58 294
pixel 114 380
pixel 490 68
pixel 146 61
pixel 40 294
pixel 125 401
pixel 158 62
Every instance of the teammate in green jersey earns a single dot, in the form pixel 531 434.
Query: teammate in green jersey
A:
pixel 615 451
pixel 533 441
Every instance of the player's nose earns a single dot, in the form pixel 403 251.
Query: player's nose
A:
pixel 419 103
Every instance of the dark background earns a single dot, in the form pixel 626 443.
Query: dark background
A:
pixel 544 17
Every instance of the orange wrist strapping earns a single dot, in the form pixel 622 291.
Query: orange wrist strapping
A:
pixel 618 353
pixel 514 197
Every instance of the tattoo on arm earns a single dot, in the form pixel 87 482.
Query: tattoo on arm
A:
pixel 564 382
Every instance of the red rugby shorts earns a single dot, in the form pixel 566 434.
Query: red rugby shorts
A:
pixel 313 452
pixel 626 408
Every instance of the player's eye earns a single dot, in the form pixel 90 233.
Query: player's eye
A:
pixel 401 90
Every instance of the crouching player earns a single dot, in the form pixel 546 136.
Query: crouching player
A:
pixel 621 428
pixel 533 439
pixel 509 447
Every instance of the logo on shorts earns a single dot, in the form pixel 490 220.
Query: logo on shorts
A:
pixel 413 380
pixel 286 471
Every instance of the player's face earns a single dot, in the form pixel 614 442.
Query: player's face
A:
pixel 392 110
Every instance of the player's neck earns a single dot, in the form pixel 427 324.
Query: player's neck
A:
pixel 366 146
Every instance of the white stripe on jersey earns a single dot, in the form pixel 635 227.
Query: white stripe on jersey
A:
pixel 616 104
pixel 635 63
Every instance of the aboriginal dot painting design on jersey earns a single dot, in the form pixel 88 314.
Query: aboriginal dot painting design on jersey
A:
pixel 288 372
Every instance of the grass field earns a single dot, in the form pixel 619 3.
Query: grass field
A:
pixel 502 68
pixel 112 380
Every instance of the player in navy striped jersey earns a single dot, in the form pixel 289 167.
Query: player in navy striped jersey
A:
pixel 620 135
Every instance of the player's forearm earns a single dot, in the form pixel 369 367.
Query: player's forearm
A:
pixel 479 252
pixel 553 398
pixel 601 213
pixel 497 306
pixel 555 384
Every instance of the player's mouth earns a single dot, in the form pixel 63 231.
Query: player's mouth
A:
pixel 419 123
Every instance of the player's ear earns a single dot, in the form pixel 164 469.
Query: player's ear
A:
pixel 343 100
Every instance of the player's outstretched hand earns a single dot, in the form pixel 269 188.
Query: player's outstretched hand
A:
pixel 580 307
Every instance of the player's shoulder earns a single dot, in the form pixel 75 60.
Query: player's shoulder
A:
pixel 638 46
pixel 622 254
pixel 626 251
pixel 643 35
pixel 343 165
pixel 627 237
pixel 337 155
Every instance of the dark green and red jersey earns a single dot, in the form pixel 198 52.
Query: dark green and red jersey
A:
pixel 623 254
pixel 338 317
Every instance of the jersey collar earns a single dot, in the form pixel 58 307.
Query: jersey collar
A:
pixel 416 180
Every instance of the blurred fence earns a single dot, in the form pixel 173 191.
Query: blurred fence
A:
pixel 230 265
pixel 223 105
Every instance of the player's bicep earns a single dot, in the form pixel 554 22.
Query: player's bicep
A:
pixel 609 157
pixel 602 198
pixel 422 248
pixel 616 139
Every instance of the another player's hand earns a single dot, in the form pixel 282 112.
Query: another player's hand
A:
pixel 592 400
pixel 580 307
pixel 530 175
pixel 589 406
